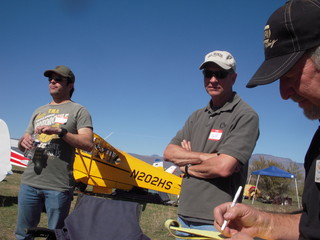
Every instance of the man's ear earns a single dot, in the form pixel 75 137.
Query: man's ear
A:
pixel 234 77
pixel 70 85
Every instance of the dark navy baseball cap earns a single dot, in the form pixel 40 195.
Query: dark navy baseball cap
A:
pixel 290 31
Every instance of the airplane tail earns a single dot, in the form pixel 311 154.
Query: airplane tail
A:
pixel 159 163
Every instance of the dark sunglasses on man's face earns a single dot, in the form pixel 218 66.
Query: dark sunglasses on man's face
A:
pixel 217 74
pixel 56 79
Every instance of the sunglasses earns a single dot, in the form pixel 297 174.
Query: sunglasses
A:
pixel 56 79
pixel 217 74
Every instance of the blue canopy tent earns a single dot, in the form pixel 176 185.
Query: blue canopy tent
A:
pixel 274 171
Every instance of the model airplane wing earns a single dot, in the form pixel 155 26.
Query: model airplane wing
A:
pixel 107 168
pixel 5 166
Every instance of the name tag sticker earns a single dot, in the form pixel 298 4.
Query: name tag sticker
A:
pixel 215 135
pixel 62 119
pixel 317 173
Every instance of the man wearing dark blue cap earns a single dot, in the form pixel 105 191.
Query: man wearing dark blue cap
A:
pixel 292 54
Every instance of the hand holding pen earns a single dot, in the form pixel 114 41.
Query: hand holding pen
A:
pixel 235 199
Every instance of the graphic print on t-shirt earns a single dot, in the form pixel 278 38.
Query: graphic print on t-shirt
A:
pixel 51 118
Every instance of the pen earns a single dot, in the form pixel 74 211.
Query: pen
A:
pixel 232 205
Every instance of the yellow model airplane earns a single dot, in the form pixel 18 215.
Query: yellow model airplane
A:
pixel 107 168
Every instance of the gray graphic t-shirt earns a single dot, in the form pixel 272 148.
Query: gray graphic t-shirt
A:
pixel 52 164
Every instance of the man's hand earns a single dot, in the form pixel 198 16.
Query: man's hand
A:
pixel 248 220
pixel 240 236
pixel 186 145
pixel 47 130
pixel 181 155
pixel 83 139
pixel 25 142
pixel 241 218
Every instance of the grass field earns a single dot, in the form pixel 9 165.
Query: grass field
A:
pixel 152 218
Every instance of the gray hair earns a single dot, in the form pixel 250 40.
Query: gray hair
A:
pixel 315 56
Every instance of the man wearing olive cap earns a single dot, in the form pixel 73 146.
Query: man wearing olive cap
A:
pixel 53 133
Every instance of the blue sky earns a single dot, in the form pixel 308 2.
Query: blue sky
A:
pixel 137 66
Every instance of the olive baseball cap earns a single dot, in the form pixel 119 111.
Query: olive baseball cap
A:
pixel 290 31
pixel 61 70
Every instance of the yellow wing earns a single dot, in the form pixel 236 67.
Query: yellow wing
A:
pixel 106 168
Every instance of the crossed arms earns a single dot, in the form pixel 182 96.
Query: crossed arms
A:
pixel 203 165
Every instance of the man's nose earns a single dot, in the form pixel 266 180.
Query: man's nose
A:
pixel 213 79
pixel 286 90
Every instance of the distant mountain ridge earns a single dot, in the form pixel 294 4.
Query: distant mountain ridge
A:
pixel 151 158
pixel 284 161
pixel 255 157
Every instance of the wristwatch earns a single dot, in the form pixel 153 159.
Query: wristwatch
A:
pixel 186 167
pixel 62 133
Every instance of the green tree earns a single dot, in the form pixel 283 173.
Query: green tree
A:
pixel 294 169
pixel 272 187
